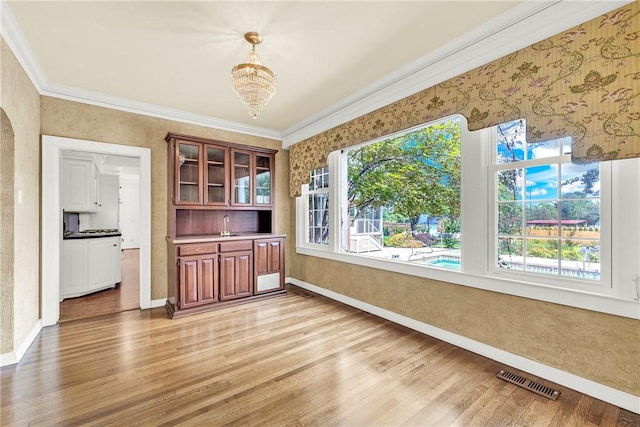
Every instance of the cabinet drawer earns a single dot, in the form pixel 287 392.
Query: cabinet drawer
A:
pixel 197 249
pixel 239 245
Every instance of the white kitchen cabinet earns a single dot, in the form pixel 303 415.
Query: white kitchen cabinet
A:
pixel 89 265
pixel 73 271
pixel 79 185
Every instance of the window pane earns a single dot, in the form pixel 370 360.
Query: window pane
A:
pixel 581 218
pixel 541 150
pixel 510 184
pixel 510 253
pixel 511 141
pixel 510 218
pixel 542 182
pixel 581 259
pixel 542 219
pixel 580 180
pixel 325 181
pixel 542 256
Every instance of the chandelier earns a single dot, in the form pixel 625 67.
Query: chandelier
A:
pixel 254 83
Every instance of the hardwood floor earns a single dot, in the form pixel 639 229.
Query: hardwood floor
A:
pixel 298 359
pixel 125 296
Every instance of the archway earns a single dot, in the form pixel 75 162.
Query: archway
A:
pixel 7 146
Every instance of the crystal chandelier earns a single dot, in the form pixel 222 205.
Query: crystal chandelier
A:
pixel 254 83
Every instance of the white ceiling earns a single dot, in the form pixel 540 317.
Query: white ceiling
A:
pixel 176 56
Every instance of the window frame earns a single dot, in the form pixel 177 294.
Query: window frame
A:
pixel 604 285
pixel 343 177
pixel 315 191
pixel 620 299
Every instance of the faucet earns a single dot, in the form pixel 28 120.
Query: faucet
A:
pixel 225 221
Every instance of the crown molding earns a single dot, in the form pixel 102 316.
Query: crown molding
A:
pixel 522 26
pixel 12 35
pixel 152 110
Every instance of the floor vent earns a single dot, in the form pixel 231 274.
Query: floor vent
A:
pixel 529 384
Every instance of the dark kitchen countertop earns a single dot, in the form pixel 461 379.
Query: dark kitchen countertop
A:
pixel 91 235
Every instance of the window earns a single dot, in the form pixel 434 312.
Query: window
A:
pixel 524 220
pixel 402 198
pixel 317 197
pixel 547 208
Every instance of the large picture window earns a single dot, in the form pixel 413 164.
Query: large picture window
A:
pixel 402 199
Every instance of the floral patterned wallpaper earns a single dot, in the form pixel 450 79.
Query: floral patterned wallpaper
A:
pixel 584 82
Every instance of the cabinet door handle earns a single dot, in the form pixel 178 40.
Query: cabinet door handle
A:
pixel 115 244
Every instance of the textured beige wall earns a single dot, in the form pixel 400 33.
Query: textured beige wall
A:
pixel 21 102
pixel 75 120
pixel 596 346
pixel 6 233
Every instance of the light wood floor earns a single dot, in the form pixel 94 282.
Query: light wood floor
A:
pixel 125 296
pixel 298 359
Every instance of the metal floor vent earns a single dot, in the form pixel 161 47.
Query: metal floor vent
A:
pixel 529 384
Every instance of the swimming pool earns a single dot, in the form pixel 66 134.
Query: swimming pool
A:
pixel 446 263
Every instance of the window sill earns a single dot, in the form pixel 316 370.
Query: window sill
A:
pixel 494 282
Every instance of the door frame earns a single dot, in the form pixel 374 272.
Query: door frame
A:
pixel 51 217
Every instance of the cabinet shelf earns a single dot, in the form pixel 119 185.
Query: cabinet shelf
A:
pixel 188 183
pixel 216 163
pixel 211 184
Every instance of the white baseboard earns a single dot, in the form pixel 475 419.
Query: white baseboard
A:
pixel 583 385
pixel 7 359
pixel 158 302
pixel 14 357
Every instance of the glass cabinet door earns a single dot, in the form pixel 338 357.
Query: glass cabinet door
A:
pixel 263 179
pixel 241 169
pixel 189 176
pixel 216 175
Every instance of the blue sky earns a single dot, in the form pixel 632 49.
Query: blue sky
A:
pixel 541 181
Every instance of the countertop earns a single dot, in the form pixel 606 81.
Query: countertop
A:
pixel 83 235
pixel 201 238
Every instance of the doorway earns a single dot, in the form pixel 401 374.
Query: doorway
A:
pixel 52 148
pixel 124 296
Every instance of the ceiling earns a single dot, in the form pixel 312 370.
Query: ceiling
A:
pixel 176 56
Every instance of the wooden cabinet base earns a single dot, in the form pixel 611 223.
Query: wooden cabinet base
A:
pixel 215 306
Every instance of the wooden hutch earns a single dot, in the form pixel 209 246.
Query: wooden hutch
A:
pixel 222 248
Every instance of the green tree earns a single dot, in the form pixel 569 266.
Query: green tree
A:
pixel 542 210
pixel 587 210
pixel 417 173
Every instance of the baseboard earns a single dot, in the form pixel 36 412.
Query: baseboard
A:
pixel 582 385
pixel 158 303
pixel 14 357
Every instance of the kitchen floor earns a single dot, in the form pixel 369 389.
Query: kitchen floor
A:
pixel 125 296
